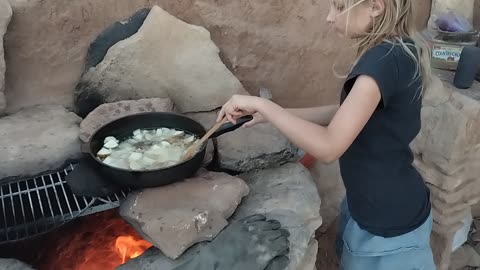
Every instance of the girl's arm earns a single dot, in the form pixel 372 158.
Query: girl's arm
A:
pixel 319 115
pixel 326 144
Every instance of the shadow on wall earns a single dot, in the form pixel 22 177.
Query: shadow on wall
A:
pixel 282 45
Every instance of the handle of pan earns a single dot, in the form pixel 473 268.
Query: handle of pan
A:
pixel 229 126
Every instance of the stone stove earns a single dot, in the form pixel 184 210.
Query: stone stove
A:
pixel 39 199
pixel 41 93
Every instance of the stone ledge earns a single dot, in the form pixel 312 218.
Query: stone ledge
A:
pixel 447 149
pixel 38 139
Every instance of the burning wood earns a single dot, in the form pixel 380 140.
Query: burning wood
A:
pixel 128 247
pixel 102 241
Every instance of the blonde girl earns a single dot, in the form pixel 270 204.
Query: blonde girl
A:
pixel 386 217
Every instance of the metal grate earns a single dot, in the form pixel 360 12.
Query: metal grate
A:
pixel 38 205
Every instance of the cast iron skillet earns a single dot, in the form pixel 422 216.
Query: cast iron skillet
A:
pixel 124 127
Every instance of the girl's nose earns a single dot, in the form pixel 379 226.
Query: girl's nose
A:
pixel 331 16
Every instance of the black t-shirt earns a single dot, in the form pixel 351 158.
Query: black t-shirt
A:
pixel 386 195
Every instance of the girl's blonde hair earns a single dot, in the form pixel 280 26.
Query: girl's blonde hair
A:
pixel 396 22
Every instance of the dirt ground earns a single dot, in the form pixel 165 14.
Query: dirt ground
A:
pixel 326 258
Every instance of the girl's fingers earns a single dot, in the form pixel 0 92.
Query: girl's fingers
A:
pixel 251 123
pixel 221 114
pixel 231 119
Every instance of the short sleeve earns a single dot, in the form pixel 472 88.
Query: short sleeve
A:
pixel 380 64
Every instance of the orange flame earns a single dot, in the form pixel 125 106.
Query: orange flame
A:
pixel 101 241
pixel 128 248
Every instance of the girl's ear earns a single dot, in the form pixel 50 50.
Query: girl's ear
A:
pixel 378 7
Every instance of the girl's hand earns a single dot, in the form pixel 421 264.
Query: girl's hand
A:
pixel 257 119
pixel 238 106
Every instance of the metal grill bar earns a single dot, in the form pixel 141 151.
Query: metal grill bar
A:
pixel 41 204
pixel 3 210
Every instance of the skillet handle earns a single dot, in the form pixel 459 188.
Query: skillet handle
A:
pixel 229 127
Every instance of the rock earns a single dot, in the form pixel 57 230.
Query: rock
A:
pixel 331 189
pixel 113 34
pixel 5 16
pixel 310 258
pixel 108 112
pixel 176 60
pixel 259 147
pixel 207 119
pixel 465 256
pixel 446 150
pixel 476 233
pixel 38 139
pixel 13 264
pixel 451 219
pixel 287 194
pixel 476 211
pixel 265 44
pixel 244 150
pixel 449 202
pixel 154 259
pixel 209 154
pixel 175 217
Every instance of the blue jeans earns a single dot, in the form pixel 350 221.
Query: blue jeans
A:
pixel 360 250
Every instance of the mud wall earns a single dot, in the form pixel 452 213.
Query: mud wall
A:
pixel 282 45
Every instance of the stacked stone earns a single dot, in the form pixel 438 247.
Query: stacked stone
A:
pixel 447 154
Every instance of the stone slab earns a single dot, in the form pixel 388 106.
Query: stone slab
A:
pixel 331 189
pixel 287 194
pixel 447 149
pixel 450 202
pixel 464 257
pixel 13 264
pixel 5 17
pixel 38 139
pixel 165 58
pixel 177 216
pixel 450 219
pixel 442 249
pixel 258 147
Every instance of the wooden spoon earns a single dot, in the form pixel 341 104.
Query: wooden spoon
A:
pixel 194 147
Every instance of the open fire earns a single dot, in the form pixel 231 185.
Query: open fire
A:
pixel 102 241
pixel 128 247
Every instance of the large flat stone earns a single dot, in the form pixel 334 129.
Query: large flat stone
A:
pixel 287 194
pixel 442 249
pixel 154 259
pixel 468 195
pixel 244 150
pixel 13 264
pixel 465 256
pixel 165 58
pixel 175 217
pixel 447 149
pixel 331 189
pixel 447 209
pixel 108 112
pixel 259 147
pixel 38 139
pixel 450 220
pixel 5 17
